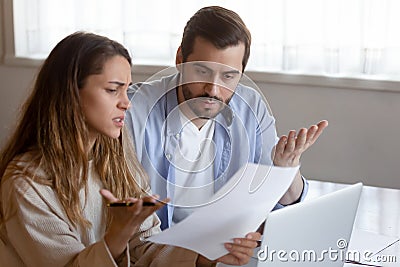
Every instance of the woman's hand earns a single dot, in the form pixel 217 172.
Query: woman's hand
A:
pixel 240 251
pixel 126 220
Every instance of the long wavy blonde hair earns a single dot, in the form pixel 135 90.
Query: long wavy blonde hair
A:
pixel 53 130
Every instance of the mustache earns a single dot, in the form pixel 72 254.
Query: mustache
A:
pixel 208 96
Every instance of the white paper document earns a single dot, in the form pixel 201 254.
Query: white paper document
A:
pixel 238 208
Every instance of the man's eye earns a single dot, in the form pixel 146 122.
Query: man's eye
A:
pixel 202 72
pixel 231 76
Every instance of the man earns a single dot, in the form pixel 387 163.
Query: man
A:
pixel 194 129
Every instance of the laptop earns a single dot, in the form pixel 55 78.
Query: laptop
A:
pixel 311 233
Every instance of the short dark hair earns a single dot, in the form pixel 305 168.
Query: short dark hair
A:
pixel 220 26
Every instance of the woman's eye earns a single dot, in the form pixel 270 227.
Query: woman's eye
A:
pixel 111 91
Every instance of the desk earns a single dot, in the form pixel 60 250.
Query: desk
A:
pixel 378 212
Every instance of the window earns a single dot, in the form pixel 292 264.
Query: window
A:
pixel 340 38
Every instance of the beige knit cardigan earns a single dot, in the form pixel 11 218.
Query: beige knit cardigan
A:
pixel 40 234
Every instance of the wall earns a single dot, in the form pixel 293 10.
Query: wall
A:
pixel 14 85
pixel 361 141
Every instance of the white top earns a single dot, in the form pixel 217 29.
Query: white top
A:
pixel 194 157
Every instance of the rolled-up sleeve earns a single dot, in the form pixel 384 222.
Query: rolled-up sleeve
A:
pixel 300 199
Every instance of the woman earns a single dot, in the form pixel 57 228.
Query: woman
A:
pixel 67 160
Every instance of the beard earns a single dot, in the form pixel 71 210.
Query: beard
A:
pixel 199 108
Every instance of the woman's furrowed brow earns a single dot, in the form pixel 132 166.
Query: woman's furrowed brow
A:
pixel 118 83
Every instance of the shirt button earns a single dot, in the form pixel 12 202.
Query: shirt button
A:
pixel 168 156
pixel 178 136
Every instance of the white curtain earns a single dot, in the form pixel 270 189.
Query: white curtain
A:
pixel 351 38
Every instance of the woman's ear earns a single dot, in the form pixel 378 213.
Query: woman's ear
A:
pixel 179 59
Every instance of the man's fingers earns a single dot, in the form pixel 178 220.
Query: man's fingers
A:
pixel 318 129
pixel 280 146
pixel 291 141
pixel 237 249
pixel 240 258
pixel 247 244
pixel 322 124
pixel 289 148
pixel 301 139
pixel 255 236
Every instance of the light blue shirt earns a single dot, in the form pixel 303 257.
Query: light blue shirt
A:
pixel 244 132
